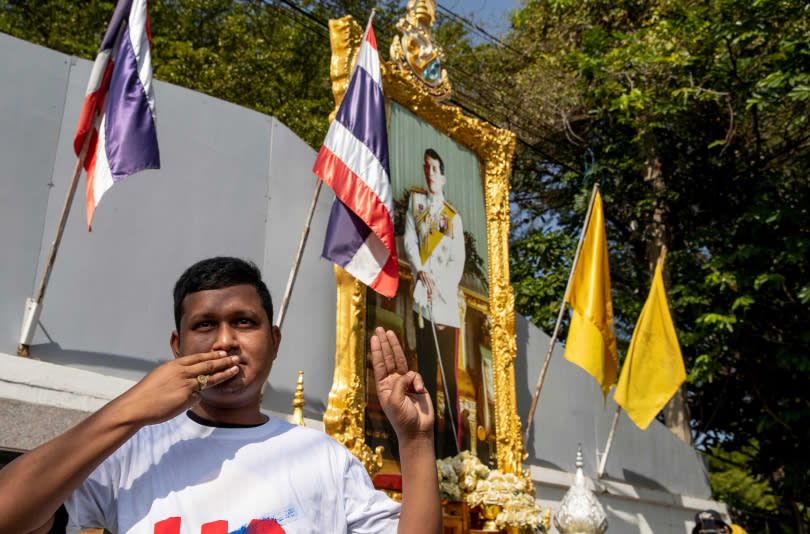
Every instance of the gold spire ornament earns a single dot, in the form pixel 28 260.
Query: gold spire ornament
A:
pixel 299 402
pixel 416 53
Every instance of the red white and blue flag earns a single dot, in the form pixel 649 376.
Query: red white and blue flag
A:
pixel 353 161
pixel 117 121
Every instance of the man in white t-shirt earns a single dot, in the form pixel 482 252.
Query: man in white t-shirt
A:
pixel 187 449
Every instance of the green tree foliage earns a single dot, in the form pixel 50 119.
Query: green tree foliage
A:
pixel 750 498
pixel 63 25
pixel 693 116
pixel 271 56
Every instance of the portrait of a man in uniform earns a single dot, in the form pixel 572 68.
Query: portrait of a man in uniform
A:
pixel 434 246
pixel 441 309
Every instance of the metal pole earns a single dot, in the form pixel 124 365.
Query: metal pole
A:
pixel 611 435
pixel 299 253
pixel 32 308
pixel 285 301
pixel 603 461
pixel 560 315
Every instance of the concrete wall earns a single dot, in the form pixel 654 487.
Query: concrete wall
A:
pixel 232 182
pixel 235 182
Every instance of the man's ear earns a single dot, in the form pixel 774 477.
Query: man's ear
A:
pixel 175 343
pixel 275 334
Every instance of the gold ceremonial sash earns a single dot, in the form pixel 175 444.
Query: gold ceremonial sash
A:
pixel 436 232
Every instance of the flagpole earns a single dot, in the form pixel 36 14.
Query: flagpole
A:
pixel 560 315
pixel 285 301
pixel 33 306
pixel 370 18
pixel 299 253
pixel 611 435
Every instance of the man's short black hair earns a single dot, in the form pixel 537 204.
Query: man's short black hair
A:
pixel 709 522
pixel 218 273
pixel 430 153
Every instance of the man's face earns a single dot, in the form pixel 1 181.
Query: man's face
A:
pixel 433 175
pixel 231 319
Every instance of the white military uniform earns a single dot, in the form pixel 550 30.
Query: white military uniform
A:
pixel 434 243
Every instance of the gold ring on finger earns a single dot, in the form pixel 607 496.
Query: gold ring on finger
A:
pixel 202 380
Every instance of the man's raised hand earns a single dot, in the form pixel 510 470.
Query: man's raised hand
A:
pixel 401 392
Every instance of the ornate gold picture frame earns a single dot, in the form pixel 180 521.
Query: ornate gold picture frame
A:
pixel 494 148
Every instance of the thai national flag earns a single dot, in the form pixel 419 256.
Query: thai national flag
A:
pixel 117 122
pixel 353 161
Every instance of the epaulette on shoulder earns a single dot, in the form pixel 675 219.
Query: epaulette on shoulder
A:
pixel 450 207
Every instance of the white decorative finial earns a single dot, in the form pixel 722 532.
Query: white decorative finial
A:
pixel 580 512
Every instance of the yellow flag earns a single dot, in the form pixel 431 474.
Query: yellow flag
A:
pixel 591 343
pixel 653 370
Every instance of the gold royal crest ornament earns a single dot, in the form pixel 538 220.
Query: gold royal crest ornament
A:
pixel 416 52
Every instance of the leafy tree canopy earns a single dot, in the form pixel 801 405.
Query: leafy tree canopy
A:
pixel 694 119
pixel 271 56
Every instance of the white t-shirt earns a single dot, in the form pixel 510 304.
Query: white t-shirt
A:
pixel 181 477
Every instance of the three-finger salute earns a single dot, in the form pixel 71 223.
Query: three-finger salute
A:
pixel 401 391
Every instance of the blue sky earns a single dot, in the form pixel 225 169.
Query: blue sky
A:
pixel 492 15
